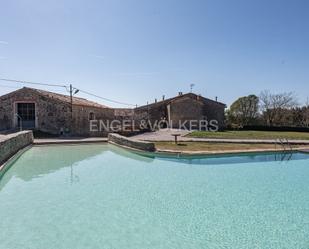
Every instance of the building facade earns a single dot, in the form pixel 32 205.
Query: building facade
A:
pixel 184 111
pixel 49 112
pixel 53 113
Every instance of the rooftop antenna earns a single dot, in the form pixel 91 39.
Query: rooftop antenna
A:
pixel 191 87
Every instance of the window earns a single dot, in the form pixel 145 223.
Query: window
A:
pixel 26 115
pixel 91 116
pixel 26 111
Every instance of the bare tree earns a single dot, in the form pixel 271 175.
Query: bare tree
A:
pixel 273 105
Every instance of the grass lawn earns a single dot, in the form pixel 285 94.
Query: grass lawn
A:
pixel 204 146
pixel 251 134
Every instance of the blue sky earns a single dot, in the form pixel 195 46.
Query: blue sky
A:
pixel 136 51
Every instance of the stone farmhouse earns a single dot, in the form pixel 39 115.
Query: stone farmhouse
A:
pixel 184 107
pixel 55 113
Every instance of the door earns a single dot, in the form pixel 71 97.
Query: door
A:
pixel 26 115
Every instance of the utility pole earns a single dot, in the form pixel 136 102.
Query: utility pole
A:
pixel 71 97
pixel 71 102
pixel 71 107
pixel 191 87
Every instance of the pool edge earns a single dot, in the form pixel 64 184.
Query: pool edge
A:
pixel 4 167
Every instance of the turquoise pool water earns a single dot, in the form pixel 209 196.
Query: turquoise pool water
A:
pixel 100 196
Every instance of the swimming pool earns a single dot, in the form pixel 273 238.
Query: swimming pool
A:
pixel 101 196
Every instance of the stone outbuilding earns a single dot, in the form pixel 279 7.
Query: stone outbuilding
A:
pixel 49 112
pixel 54 113
pixel 180 110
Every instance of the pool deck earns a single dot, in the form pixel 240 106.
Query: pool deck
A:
pixel 223 152
pixel 55 141
pixel 304 150
pixel 166 135
pixel 75 140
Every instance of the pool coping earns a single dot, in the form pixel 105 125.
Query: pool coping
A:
pixel 4 167
pixel 227 152
pixel 159 152
pixel 77 141
pixel 58 141
pixel 163 151
pixel 175 153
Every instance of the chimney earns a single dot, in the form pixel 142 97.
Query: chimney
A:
pixel 155 100
pixel 216 99
pixel 179 93
pixel 163 97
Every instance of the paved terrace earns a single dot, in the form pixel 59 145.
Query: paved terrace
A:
pixel 166 135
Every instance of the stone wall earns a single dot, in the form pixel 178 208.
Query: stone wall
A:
pixel 51 114
pixel 192 107
pixel 181 108
pixel 124 141
pixel 82 117
pixel 215 110
pixel 54 116
pixel 153 112
pixel 12 143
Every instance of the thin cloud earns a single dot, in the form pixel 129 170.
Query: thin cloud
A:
pixel 150 73
pixel 2 57
pixel 101 57
pixel 139 74
pixel 4 42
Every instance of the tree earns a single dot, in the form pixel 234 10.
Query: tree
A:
pixel 301 116
pixel 306 116
pixel 274 106
pixel 244 111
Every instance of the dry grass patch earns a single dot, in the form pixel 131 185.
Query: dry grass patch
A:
pixel 291 135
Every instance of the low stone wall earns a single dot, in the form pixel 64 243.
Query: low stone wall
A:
pixel 125 141
pixel 12 143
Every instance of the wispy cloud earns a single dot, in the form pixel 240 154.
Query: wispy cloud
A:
pixel 137 74
pixel 4 42
pixel 101 57
pixel 150 73
pixel 2 57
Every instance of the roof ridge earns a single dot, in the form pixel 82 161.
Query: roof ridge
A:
pixel 66 98
pixel 168 100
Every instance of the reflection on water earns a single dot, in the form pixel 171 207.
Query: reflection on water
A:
pixel 237 159
pixel 227 158
pixel 86 196
pixel 66 157
pixel 42 160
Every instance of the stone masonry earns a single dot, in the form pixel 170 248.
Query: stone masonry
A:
pixel 12 143
pixel 53 112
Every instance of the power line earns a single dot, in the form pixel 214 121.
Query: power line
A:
pixel 66 87
pixel 32 83
pixel 14 87
pixel 106 99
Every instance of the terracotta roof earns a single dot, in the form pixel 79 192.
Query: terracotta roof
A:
pixel 65 98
